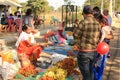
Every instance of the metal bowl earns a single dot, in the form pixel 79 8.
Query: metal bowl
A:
pixel 44 64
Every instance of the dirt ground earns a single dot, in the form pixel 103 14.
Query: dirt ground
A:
pixel 112 70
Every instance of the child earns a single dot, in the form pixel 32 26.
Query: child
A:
pixel 106 35
pixel 106 31
pixel 18 23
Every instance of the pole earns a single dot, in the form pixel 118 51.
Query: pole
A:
pixel 66 15
pixel 76 11
pixel 62 12
pixel 101 6
pixel 72 18
pixel 114 5
pixel 111 7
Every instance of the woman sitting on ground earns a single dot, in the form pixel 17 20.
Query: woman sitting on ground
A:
pixel 58 36
pixel 27 49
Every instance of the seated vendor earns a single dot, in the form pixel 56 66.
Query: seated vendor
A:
pixel 61 33
pixel 58 37
pixel 28 51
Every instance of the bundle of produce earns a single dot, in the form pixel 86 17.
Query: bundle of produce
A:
pixel 75 47
pixel 46 78
pixel 68 64
pixel 27 71
pixel 7 56
pixel 56 73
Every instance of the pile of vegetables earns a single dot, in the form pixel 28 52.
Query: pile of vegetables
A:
pixel 68 64
pixel 56 73
pixel 46 78
pixel 27 71
pixel 61 69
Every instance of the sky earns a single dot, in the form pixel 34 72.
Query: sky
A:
pixel 58 3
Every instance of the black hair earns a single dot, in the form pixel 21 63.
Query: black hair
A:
pixel 87 9
pixel 15 13
pixel 63 24
pixel 19 16
pixel 28 12
pixel 24 27
pixel 98 16
pixel 102 19
pixel 11 14
pixel 96 12
pixel 3 15
pixel 96 9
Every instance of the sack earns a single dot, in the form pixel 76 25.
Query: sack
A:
pixel 10 70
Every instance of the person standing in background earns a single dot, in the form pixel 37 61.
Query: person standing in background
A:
pixel 28 19
pixel 87 34
pixel 106 15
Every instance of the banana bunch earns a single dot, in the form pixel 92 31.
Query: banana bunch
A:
pixel 61 74
pixel 56 73
pixel 53 68
pixel 50 74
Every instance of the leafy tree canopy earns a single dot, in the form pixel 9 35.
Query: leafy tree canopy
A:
pixel 106 3
pixel 38 6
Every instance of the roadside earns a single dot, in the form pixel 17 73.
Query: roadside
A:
pixel 112 70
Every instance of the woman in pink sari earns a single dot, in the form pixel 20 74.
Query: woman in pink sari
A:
pixel 61 33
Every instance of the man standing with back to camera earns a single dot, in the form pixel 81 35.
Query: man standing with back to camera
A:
pixel 87 34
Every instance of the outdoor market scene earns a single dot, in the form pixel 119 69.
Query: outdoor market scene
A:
pixel 59 40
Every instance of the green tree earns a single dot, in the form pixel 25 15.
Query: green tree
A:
pixel 117 5
pixel 24 7
pixel 38 6
pixel 105 4
pixel 49 9
pixel 68 2
pixel 98 3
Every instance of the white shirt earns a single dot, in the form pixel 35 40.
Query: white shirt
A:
pixel 105 31
pixel 24 36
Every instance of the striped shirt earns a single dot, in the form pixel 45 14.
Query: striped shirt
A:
pixel 87 33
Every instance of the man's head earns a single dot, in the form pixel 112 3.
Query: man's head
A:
pixel 105 12
pixel 87 9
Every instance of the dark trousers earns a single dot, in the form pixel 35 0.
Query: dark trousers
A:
pixel 108 42
pixel 86 63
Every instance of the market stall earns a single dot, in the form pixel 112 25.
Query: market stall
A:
pixel 56 62
pixel 56 66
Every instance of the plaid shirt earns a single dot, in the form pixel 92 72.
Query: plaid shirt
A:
pixel 87 33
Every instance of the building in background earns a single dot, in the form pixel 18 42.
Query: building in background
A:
pixel 7 4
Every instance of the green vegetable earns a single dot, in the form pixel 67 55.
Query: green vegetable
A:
pixel 18 76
